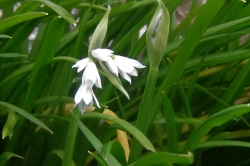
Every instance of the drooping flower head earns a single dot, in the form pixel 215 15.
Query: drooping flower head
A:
pixel 84 96
pixel 90 74
pixel 118 64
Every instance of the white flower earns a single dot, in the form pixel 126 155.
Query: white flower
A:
pixel 84 97
pixel 126 66
pixel 90 74
pixel 118 64
pixel 101 54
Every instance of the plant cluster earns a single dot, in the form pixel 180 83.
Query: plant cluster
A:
pixel 187 102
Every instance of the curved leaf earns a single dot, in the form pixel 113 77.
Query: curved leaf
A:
pixel 26 115
pixel 5 36
pixel 60 154
pixel 7 155
pixel 96 143
pixel 10 124
pixel 59 10
pixel 124 124
pixel 10 21
pixel 217 119
pixel 163 158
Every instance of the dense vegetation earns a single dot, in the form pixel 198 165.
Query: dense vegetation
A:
pixel 188 106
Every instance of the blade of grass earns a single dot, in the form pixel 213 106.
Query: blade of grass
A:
pixel 26 115
pixel 217 119
pixel 170 125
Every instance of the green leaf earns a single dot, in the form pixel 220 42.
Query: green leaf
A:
pixel 10 123
pixel 99 33
pixel 189 44
pixel 107 148
pixel 124 124
pixel 235 87
pixel 43 60
pixel 221 143
pixel 26 115
pixel 217 119
pixel 5 36
pixel 59 10
pixel 10 21
pixel 224 26
pixel 170 125
pixel 12 55
pixel 18 72
pixel 6 156
pixel 60 154
pixel 163 158
pixel 179 119
pixel 95 142
pixel 100 161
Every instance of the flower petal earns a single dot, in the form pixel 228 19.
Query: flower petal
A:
pixel 87 94
pixel 96 101
pixel 125 76
pixel 82 106
pixel 133 73
pixel 112 65
pixel 81 64
pixel 78 96
pixel 101 54
pixel 136 64
pixel 123 64
pixel 91 76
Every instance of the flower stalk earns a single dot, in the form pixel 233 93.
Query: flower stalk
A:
pixel 156 40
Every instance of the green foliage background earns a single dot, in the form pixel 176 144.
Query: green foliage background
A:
pixel 192 109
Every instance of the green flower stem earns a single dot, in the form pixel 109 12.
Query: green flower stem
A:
pixel 70 142
pixel 143 113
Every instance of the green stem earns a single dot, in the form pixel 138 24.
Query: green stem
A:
pixel 70 142
pixel 144 110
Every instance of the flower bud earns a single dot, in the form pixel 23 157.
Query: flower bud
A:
pixel 157 35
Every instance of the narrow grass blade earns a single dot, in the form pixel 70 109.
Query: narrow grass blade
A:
pixel 219 143
pixel 10 123
pixel 60 154
pixel 5 36
pixel 107 149
pixel 59 10
pixel 26 115
pixel 12 55
pixel 4 157
pixel 124 124
pixel 217 119
pixel 95 142
pixel 100 161
pixel 163 158
pixel 42 64
pixel 170 125
pixel 10 21
pixel 235 88
pixel 70 142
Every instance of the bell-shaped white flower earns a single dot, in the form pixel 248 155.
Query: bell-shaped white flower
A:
pixel 90 74
pixel 127 66
pixel 84 97
pixel 101 54
pixel 118 64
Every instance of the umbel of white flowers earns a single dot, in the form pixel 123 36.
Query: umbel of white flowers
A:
pixel 115 63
